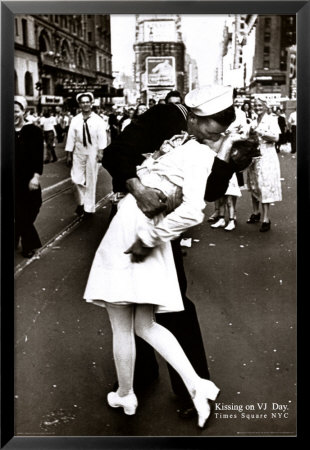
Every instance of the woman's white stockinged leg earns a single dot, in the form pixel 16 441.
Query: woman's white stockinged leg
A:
pixel 124 347
pixel 169 348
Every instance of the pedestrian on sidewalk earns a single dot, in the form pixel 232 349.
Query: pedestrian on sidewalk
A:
pixel 264 173
pixel 283 127
pixel 173 97
pixel 145 203
pixel 48 123
pixel 29 147
pixel 292 123
pixel 229 200
pixel 85 143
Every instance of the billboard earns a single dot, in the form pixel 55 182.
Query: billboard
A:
pixel 160 70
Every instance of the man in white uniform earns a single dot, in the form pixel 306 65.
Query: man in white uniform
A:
pixel 85 143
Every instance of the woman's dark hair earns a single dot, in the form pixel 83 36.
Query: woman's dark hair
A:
pixel 250 146
pixel 225 117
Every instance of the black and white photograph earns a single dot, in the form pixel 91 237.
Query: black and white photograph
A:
pixel 155 225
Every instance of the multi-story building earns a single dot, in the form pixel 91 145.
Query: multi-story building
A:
pixel 26 59
pixel 57 56
pixel 159 56
pixel 275 38
pixel 191 80
pixel 259 55
pixel 238 51
pixel 126 84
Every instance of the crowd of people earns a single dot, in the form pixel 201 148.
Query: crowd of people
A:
pixel 166 160
pixel 262 178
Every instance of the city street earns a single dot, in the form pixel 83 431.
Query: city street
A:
pixel 243 284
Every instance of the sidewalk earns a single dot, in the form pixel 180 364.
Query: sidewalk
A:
pixel 243 285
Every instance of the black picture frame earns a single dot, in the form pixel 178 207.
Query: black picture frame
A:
pixel 8 9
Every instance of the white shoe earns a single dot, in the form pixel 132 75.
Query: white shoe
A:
pixel 220 223
pixel 205 390
pixel 129 402
pixel 231 225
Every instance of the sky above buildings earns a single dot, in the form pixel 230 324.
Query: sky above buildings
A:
pixel 202 35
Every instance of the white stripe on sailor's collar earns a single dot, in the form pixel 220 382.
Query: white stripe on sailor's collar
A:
pixel 183 110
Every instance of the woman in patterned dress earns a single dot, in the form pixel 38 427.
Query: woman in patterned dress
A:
pixel 263 178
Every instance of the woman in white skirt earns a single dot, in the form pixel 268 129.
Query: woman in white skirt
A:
pixel 133 273
pixel 263 175
pixel 131 287
pixel 228 201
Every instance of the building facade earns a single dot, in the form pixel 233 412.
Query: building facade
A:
pixel 191 79
pixel 275 40
pixel 259 56
pixel 159 56
pixel 238 51
pixel 57 56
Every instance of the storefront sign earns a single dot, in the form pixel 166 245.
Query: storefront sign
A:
pixel 51 100
pixel 269 97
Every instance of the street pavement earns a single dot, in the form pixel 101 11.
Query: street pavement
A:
pixel 243 284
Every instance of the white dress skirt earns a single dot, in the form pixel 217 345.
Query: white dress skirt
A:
pixel 263 176
pixel 233 187
pixel 115 279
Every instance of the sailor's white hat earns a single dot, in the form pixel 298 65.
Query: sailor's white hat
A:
pixel 21 101
pixel 85 94
pixel 209 100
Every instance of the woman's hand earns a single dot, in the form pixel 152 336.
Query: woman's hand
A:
pixel 225 149
pixel 138 251
pixel 268 136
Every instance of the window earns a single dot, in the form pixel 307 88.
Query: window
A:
pixel 16 28
pixel 25 31
pixel 46 86
pixel 28 83
pixel 56 19
pixel 266 63
pixel 81 61
pixel 266 57
pixel 90 36
pixel 43 47
pixel 65 51
pixel 267 36
pixel 283 60
pixel 267 22
pixel 16 90
pixel 289 20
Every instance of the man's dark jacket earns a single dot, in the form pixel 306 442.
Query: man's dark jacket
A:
pixel 146 135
